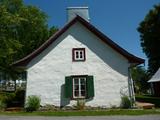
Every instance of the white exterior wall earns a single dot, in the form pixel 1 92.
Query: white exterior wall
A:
pixel 46 72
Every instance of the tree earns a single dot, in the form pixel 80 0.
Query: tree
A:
pixel 23 28
pixel 149 30
pixel 140 77
pixel 9 44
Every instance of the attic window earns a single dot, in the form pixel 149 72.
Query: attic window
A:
pixel 78 54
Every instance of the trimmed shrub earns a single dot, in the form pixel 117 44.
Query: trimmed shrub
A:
pixel 33 103
pixel 125 102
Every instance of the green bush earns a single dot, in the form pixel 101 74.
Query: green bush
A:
pixel 33 103
pixel 125 102
pixel 2 101
pixel 150 99
pixel 13 99
pixel 80 104
pixel 2 105
pixel 2 98
pixel 19 98
pixel 7 98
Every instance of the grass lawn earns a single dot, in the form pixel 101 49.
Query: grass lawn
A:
pixel 85 113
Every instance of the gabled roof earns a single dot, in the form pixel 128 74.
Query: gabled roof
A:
pixel 155 77
pixel 131 58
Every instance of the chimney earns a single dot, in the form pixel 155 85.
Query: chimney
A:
pixel 72 12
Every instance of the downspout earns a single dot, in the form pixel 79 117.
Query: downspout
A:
pixel 131 85
pixel 131 88
pixel 133 92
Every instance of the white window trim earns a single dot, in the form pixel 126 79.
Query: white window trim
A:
pixel 79 51
pixel 79 79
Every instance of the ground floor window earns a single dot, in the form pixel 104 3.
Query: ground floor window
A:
pixel 77 87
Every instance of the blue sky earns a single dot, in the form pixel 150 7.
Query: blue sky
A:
pixel 118 19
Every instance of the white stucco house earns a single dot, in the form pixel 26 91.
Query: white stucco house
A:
pixel 79 62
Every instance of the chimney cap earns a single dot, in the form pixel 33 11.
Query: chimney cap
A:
pixel 84 7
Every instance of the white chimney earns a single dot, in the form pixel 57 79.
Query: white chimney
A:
pixel 72 12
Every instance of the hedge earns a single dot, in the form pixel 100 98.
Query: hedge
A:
pixel 150 99
pixel 13 99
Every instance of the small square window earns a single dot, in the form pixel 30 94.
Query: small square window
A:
pixel 78 54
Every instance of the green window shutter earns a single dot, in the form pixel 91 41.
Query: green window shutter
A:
pixel 68 87
pixel 90 87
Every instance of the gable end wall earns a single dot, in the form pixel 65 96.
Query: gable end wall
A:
pixel 47 71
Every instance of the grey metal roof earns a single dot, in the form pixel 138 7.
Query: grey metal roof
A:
pixel 155 77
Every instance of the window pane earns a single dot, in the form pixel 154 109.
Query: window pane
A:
pixel 76 81
pixel 81 54
pixel 82 87
pixel 83 93
pixel 82 81
pixel 77 54
pixel 76 87
pixel 76 93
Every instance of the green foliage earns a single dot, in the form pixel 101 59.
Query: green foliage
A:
pixel 13 99
pixel 52 30
pixel 8 37
pixel 125 102
pixel 7 98
pixel 150 99
pixel 19 97
pixel 87 113
pixel 23 28
pixel 140 77
pixel 149 30
pixel 33 103
pixel 80 104
pixel 2 105
pixel 2 101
